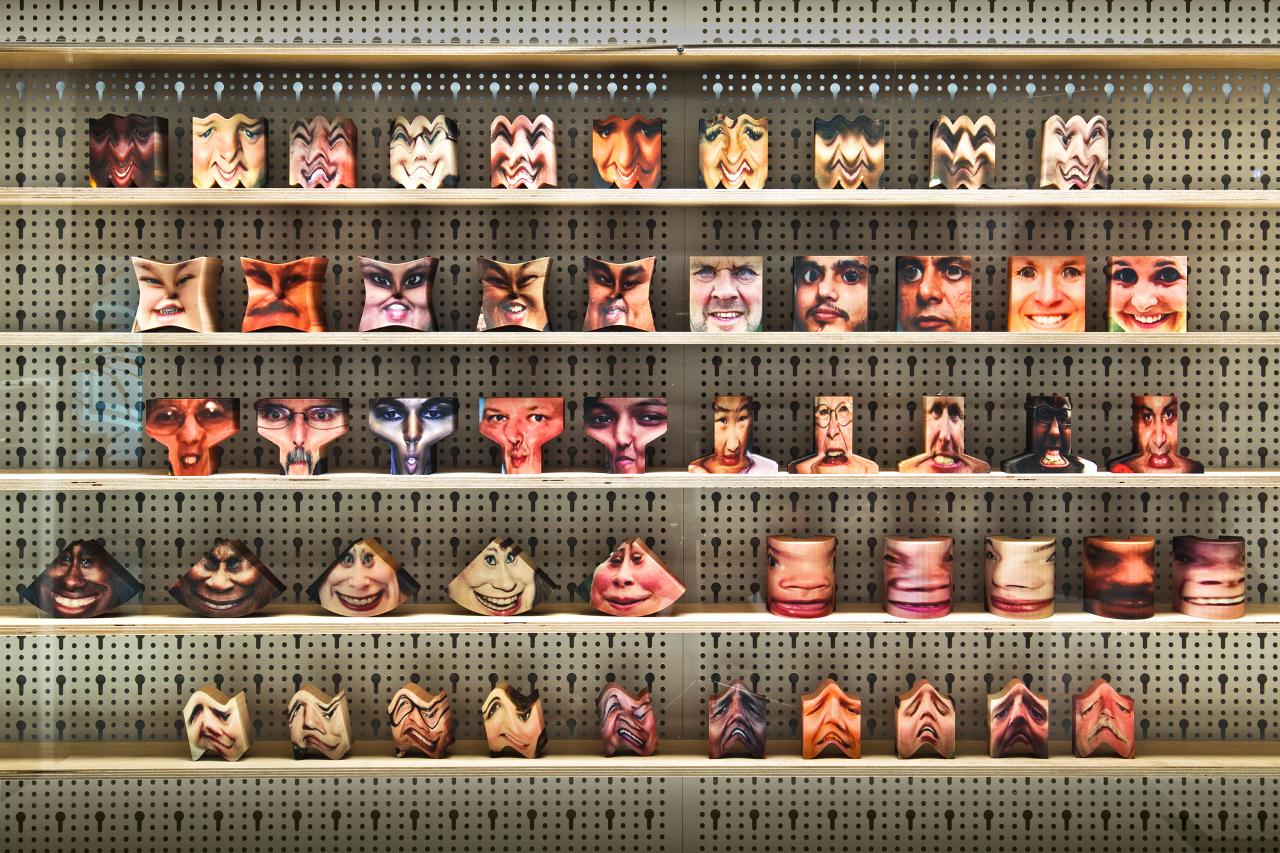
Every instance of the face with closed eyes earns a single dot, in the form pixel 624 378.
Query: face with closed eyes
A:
pixel 424 152
pixel 176 296
pixel 216 724
pixel 322 153
pixel 319 725
pixel 192 428
pixel 733 153
pixel 1019 722
pixel 1209 576
pixel 363 581
pixel 627 152
pixel 628 725
pixel 917 576
pixel 830 293
pixel 1147 293
pixel 398 296
pixel 618 295
pixel 1155 439
pixel 228 582
pixel 625 426
pixel 1047 294
pixel 521 426
pixel 1102 722
pixel 963 153
pixel 228 152
pixel 1073 153
pixel 1120 577
pixel 943 441
pixel 421 722
pixel 633 581
pixel 513 295
pixel 831 721
pixel 83 581
pixel 411 427
pixel 800 576
pixel 500 581
pixel 935 293
pixel 284 296
pixel 926 722
pixel 848 153
pixel 1020 576
pixel 513 722
pixel 736 723
pixel 128 151
pixel 522 152
pixel 726 294
pixel 303 428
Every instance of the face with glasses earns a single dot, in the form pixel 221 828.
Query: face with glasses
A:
pixel 943 441
pixel 191 428
pixel 726 294
pixel 833 438
pixel 421 722
pixel 1048 439
pixel 303 428
pixel 411 427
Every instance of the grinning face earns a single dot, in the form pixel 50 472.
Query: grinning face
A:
pixel 634 581
pixel 926 722
pixel 830 293
pixel 513 722
pixel 918 576
pixel 736 723
pixel 1209 576
pixel 318 725
pixel 521 426
pixel 1047 294
pixel 1120 577
pixel 364 581
pixel 217 724
pixel 522 153
pixel 303 428
pixel 176 296
pixel 192 428
pixel 398 296
pixel 1019 574
pixel 627 152
pixel 618 295
pixel 831 722
pixel 726 294
pixel 1019 721
pixel 424 152
pixel 500 581
pixel 833 438
pixel 128 151
pixel 935 293
pixel 800 576
pixel 1155 439
pixel 322 153
pixel 513 295
pixel 943 441
pixel 411 428
pixel 1073 153
pixel 626 426
pixel 962 153
pixel 228 152
pixel 1147 293
pixel 421 722
pixel 1102 722
pixel 229 581
pixel 285 296
pixel 628 725
pixel 848 153
pixel 82 582
pixel 733 153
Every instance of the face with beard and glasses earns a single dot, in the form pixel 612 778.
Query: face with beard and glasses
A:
pixel 1147 293
pixel 521 426
pixel 424 152
pixel 365 580
pixel 1019 722
pixel 501 581
pixel 398 296
pixel 128 151
pixel 726 294
pixel 513 296
pixel 513 722
pixel 522 153
pixel 943 441
pixel 228 152
pixel 962 153
pixel 1073 153
pixel 831 721
pixel 1155 440
pixel 319 726
pixel 1102 722
pixel 734 420
pixel 1208 577
pixel 733 153
pixel 800 576
pixel 411 428
pixel 918 576
pixel 627 152
pixel 626 426
pixel 285 297
pixel 736 723
pixel 935 293
pixel 82 582
pixel 192 428
pixel 1120 576
pixel 322 153
pixel 1048 439
pixel 1019 574
pixel 848 153
pixel 926 722
pixel 833 438
pixel 628 725
pixel 634 581
pixel 177 296
pixel 228 582
pixel 421 722
pixel 1047 294
pixel 303 428
pixel 217 724
pixel 618 295
pixel 830 293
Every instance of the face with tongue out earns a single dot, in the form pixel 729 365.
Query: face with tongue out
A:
pixel 1047 294
pixel 926 722
pixel 627 722
pixel 83 581
pixel 366 580
pixel 736 723
pixel 1147 293
pixel 128 151
pixel 411 427
pixel 322 153
pixel 918 576
pixel 733 153
pixel 303 428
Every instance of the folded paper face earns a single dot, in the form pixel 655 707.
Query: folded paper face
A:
pixel 228 582
pixel 421 722
pixel 319 725
pixel 627 152
pixel 918 576
pixel 935 293
pixel 82 582
pixel 179 296
pixel 217 725
pixel 831 721
pixel 848 153
pixel 322 153
pixel 626 426
pixel 962 153
pixel 513 722
pixel 522 152
pixel 943 418
pixel 1155 439
pixel 191 428
pixel 734 422
pixel 830 293
pixel 634 581
pixel 228 152
pixel 726 294
pixel 303 428
pixel 800 576
pixel 128 151
pixel 398 296
pixel 411 427
pixel 424 152
pixel 833 438
pixel 628 725
pixel 733 153
pixel 1209 577
pixel 513 296
pixel 501 581
pixel 365 580
pixel 1019 722
pixel 618 295
pixel 1120 576
pixel 1019 575
pixel 1102 722
pixel 1147 293
pixel 736 723
pixel 926 722
pixel 284 297
pixel 1074 153
pixel 1047 293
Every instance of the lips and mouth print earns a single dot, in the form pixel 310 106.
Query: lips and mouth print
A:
pixel 322 153
pixel 1073 153
pixel 365 580
pixel 176 296
pixel 502 580
pixel 733 153
pixel 513 722
pixel 1120 576
pixel 628 725
pixel 1209 577
pixel 944 419
pixel 736 723
pixel 398 296
pixel 217 724
pixel 1019 576
pixel 1019 722
pixel 1147 293
pixel 1047 293
pixel 800 576
pixel 411 427
pixel 1155 439
pixel 962 152
pixel 627 152
pixel 633 581
pixel 918 576
pixel 319 725
pixel 848 153
pixel 831 723
pixel 128 151
pixel 421 722
pixel 618 295
pixel 228 581
pixel 513 296
pixel 81 582
pixel 1102 722
pixel 522 152
pixel 228 151
pixel 925 722
pixel 424 152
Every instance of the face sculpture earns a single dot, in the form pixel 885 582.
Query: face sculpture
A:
pixel 627 152
pixel 217 724
pixel 128 151
pixel 191 428
pixel 82 582
pixel 1208 577
pixel 1102 722
pixel 634 581
pixel 285 297
pixel 424 152
pixel 421 722
pixel 365 580
pixel 1019 722
pixel 513 296
pixel 736 723
pixel 303 428
pixel 1120 576
pixel 322 153
pixel 733 153
pixel 1155 440
pixel 411 428
pixel 1048 439
pixel 501 581
pixel 1047 294
pixel 177 296
pixel 522 153
pixel 943 441
pixel 521 426
pixel 1019 575
pixel 917 576
pixel 319 727
pixel 833 437
pixel 935 293
pixel 228 582
pixel 228 152
pixel 618 295
pixel 1073 153
pixel 926 722
pixel 1147 293
pixel 628 725
pixel 830 293
pixel 848 153
pixel 726 294
pixel 831 721
pixel 800 576
pixel 962 153
pixel 398 296
pixel 734 419
pixel 513 722
pixel 626 426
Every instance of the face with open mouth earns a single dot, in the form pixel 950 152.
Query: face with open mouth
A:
pixel 618 295
pixel 513 296
pixel 1019 722
pixel 501 581
pixel 228 582
pixel 736 723
pixel 1048 439
pixel 830 293
pixel 303 428
pixel 848 153
pixel 627 152
pixel 322 153
pixel 398 296
pixel 800 576
pixel 1047 294
pixel 962 153
pixel 1147 293
pixel 83 581
pixel 176 296
pixel 626 426
pixel 228 152
pixel 634 581
pixel 943 440
pixel 424 152
pixel 128 151
pixel 733 153
pixel 833 438
pixel 513 722
pixel 1019 574
pixel 217 724
pixel 1073 153
pixel 191 428
pixel 522 153
pixel 1209 576
pixel 935 293
pixel 521 426
pixel 918 576
pixel 726 294
pixel 411 428
pixel 1102 722
pixel 365 580
pixel 284 297
pixel 831 723
pixel 628 725
pixel 1155 439
pixel 926 722
pixel 1120 576
pixel 734 419
pixel 421 722
pixel 319 726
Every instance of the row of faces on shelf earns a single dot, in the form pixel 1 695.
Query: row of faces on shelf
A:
pixel 303 428
pixel 1047 293
pixel 1119 575
pixel 733 152
pixel 424 724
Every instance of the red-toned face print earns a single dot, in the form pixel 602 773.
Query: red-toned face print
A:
pixel 285 296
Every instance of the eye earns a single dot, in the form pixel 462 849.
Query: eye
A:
pixel 811 275
pixel 772 561
pixel 853 275
pixel 524 715
pixel 1071 273
pixel 250 133
pixel 390 414
pixel 649 132
pixel 1147 417
pixel 380 280
pixel 1097 133
pixel 604 131
pixel 323 415
pixel 1037 714
pixel 754 134
pixel 599 419
pixel 493 709
pixel 910 273
pixel 348 560
pixel 511 557
pixel 274 414
pixel 1125 275
pixel 745 273
pixel 1063 139
pixel 414 279
pixel 400 137
pixel 652 418
pixel 705 273
pixel 1001 714
pixel 206 133
pixel 537 417
pixel 713 134
pixel 497 418
pixel 490 560
pixel 1027 272
pixel 991 556
pixel 1167 275
pixel 954 272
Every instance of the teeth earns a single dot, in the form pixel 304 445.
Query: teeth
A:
pixel 359 602
pixel 1235 599
pixel 498 603
pixel 726 315
pixel 943 459
pixel 1047 319
pixel 736 175
pixel 73 603
pixel 1149 318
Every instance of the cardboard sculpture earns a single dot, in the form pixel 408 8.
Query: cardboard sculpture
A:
pixel 736 723
pixel 1147 293
pixel 81 582
pixel 1018 722
pixel 935 293
pixel 365 580
pixel 830 293
pixel 943 418
pixel 228 582
pixel 733 426
pixel 833 441
pixel 831 722
pixel 962 153
pixel 800 576
pixel 228 151
pixel 217 725
pixel 918 576
pixel 191 428
pixel 303 428
pixel 1155 439
pixel 626 426
pixel 128 151
pixel 618 296
pixel 513 722
pixel 1019 576
pixel 1102 722
pixel 628 725
pixel 1048 293
pixel 522 152
pixel 521 426
pixel 322 153
pixel 1120 576
pixel 926 722
pixel 848 153
pixel 733 153
pixel 1049 448
pixel 627 152
pixel 411 427
pixel 421 722
pixel 397 297
pixel 726 294
pixel 319 726
pixel 634 581
pixel 286 297
pixel 174 297
pixel 1074 153
pixel 502 580
pixel 1209 577
pixel 513 296
pixel 423 152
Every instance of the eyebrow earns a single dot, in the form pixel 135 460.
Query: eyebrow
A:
pixel 950 259
pixel 301 131
pixel 847 263
pixel 1048 546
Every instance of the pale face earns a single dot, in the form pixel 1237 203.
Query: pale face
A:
pixel 1019 575
pixel 627 723
pixel 128 151
pixel 848 153
pixel 1209 577
pixel 963 153
pixel 627 152
pixel 618 295
pixel 322 153
pixel 935 293
pixel 733 153
pixel 1019 722
pixel 633 582
pixel 830 293
pixel 1147 293
pixel 227 582
pixel 424 152
pixel 513 723
pixel 82 582
pixel 917 576
pixel 625 426
pixel 736 723
pixel 192 428
pixel 926 722
pixel 943 441
pixel 726 294
pixel 1073 153
pixel 1102 722
pixel 303 428
pixel 319 725
pixel 284 296
pixel 522 152
pixel 363 582
pixel 421 722
pixel 800 576
pixel 831 721
pixel 1120 577
pixel 500 581
pixel 228 151
pixel 411 427
pixel 521 426
pixel 513 295
pixel 398 296
pixel 176 296
pixel 216 724
pixel 1047 294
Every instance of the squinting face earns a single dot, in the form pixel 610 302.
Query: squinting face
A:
pixel 513 722
pixel 633 582
pixel 1019 575
pixel 963 153
pixel 398 296
pixel 1147 293
pixel 618 295
pixel 627 152
pixel 82 582
pixel 513 295
pixel 522 152
pixel 500 581
pixel 800 576
pixel 1209 576
pixel 926 722
pixel 228 152
pixel 625 426
pixel 192 428
pixel 848 153
pixel 128 151
pixel 627 723
pixel 322 153
pixel 830 293
pixel 1102 722
pixel 736 723
pixel 1155 439
pixel 424 152
pixel 726 294
pixel 917 576
pixel 319 725
pixel 521 426
pixel 733 152
pixel 303 428
pixel 363 582
pixel 421 722
pixel 1120 577
pixel 284 296
pixel 1019 722
pixel 176 296
pixel 411 427
pixel 1073 153
pixel 1047 294
pixel 733 422
pixel 227 582
pixel 935 293
pixel 831 721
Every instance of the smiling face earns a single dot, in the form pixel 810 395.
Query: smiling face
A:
pixel 322 153
pixel 513 722
pixel 634 581
pixel 628 725
pixel 364 581
pixel 522 153
pixel 943 441
pixel 1147 293
pixel 733 153
pixel 917 576
pixel 1155 439
pixel 421 722
pixel 618 295
pixel 216 724
pixel 191 428
pixel 176 296
pixel 424 152
pixel 513 295
pixel 284 296
pixel 962 153
pixel 228 152
pixel 318 725
pixel 626 426
pixel 848 153
pixel 736 723
pixel 128 151
pixel 926 722
pixel 1019 722
pixel 800 576
pixel 411 428
pixel 1209 576
pixel 1019 575
pixel 830 293
pixel 833 438
pixel 82 582
pixel 627 152
pixel 229 582
pixel 1120 577
pixel 831 722
pixel 521 426
pixel 501 581
pixel 303 428
pixel 726 294
pixel 1047 294
pixel 398 296
pixel 935 293
pixel 1102 722
pixel 1073 153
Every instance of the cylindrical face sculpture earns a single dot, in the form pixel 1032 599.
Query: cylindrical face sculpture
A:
pixel 1208 576
pixel 800 576
pixel 1120 576
pixel 1020 576
pixel 917 576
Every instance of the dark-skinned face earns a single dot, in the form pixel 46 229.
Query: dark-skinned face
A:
pixel 963 153
pixel 1102 722
pixel 322 153
pixel 1050 429
pixel 800 576
pixel 398 296
pixel 926 722
pixel 832 722
pixel 192 428
pixel 627 152
pixel 513 295
pixel 627 723
pixel 411 427
pixel 82 582
pixel 1120 576
pixel 128 151
pixel 618 295
pixel 736 723
pixel 848 153
pixel 228 581
pixel 421 722
pixel 285 296
pixel 935 293
pixel 1019 722
pixel 1155 439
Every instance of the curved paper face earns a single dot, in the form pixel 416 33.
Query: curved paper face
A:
pixel 421 722
pixel 83 581
pixel 935 293
pixel 176 296
pixel 1147 293
pixel 618 295
pixel 513 296
pixel 733 153
pixel 917 576
pixel 634 581
pixel 1155 439
pixel 1209 577
pixel 319 725
pixel 1019 574
pixel 734 420
pixel 831 723
pixel 229 581
pixel 848 153
pixel 830 293
pixel 1019 721
pixel 833 438
pixel 627 152
pixel 521 426
pixel 424 152
pixel 1048 438
pixel 217 724
pixel 364 581
pixel 1102 722
pixel 943 441
pixel 411 428
pixel 1047 293
pixel 926 722
pixel 736 723
pixel 1120 577
pixel 322 153
pixel 303 428
pixel 628 725
pixel 726 294
pixel 522 153
pixel 800 576
pixel 398 296
pixel 625 426
pixel 128 151
pixel 513 722
pixel 228 151
pixel 962 153
pixel 1073 153
pixel 501 581
pixel 285 296
pixel 192 428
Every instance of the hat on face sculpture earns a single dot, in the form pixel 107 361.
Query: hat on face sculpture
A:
pixel 513 722
pixel 319 726
pixel 82 582
pixel 628 725
pixel 736 723
pixel 848 153
pixel 627 152
pixel 1155 439
pixel 217 724
pixel 1102 722
pixel 229 581
pixel 424 152
pixel 421 722
pixel 365 580
pixel 1019 722
pixel 633 581
pixel 228 152
pixel 831 721
pixel 502 580
pixel 177 297
pixel 926 722
pixel 128 151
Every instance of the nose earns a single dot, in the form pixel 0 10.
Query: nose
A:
pixel 623 153
pixel 513 434
pixel 504 581
pixel 310 719
pixel 732 443
pixel 1047 292
pixel 190 434
pixel 735 150
pixel 412 430
pixel 625 433
pixel 220 581
pixel 1144 296
pixel 228 145
pixel 833 427
pixel 964 148
pixel 624 577
pixel 1055 430
pixel 74 578
pixel 1132 570
pixel 930 288
pixel 827 288
pixel 298 429
pixel 722 288
pixel 947 435
pixel 120 146
pixel 1161 434
pixel 420 149
pixel 1076 148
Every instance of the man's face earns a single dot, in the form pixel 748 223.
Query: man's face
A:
pixel 627 152
pixel 733 152
pixel 1102 722
pixel 424 152
pixel 935 293
pixel 831 293
pixel 726 294
pixel 522 152
pixel 1051 430
pixel 736 723
pixel 1208 577
pixel 618 295
pixel 303 428
pixel 1147 293
pixel 421 722
pixel 800 576
pixel 128 151
pixel 228 152
pixel 627 723
pixel 322 153
pixel 633 581
pixel 216 724
pixel 943 441
pixel 364 581
pixel 319 725
pixel 625 426
pixel 398 295
pixel 1120 577
pixel 1155 437
pixel 1047 294
pixel 411 427
pixel 1020 576
pixel 228 581
pixel 831 721
pixel 513 295
pixel 963 153
pixel 500 581
pixel 513 722
pixel 521 426
pixel 284 296
pixel 1019 722
pixel 176 296
pixel 926 721
pixel 1073 153
pixel 192 427
pixel 83 581
pixel 917 576
pixel 848 153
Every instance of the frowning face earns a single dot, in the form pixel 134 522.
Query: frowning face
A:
pixel 830 293
pixel 943 441
pixel 228 152
pixel 217 724
pixel 319 725
pixel 1020 576
pixel 831 721
pixel 424 152
pixel 628 725
pixel 1209 577
pixel 634 581
pixel 513 722
pixel 513 295
pixel 1147 293
pixel 500 581
pixel 303 428
pixel 398 296
pixel 726 294
pixel 421 722
pixel 1120 576
pixel 411 427
pixel 82 582
pixel 627 152
pixel 192 428
pixel 935 293
pixel 736 723
pixel 128 151
pixel 618 295
pixel 926 722
pixel 285 296
pixel 918 576
pixel 733 153
pixel 522 152
pixel 800 576
pixel 365 580
pixel 1047 294
pixel 322 153
pixel 1102 722
pixel 229 581
pixel 521 426
pixel 176 296
pixel 626 426
pixel 833 438
pixel 848 153
pixel 1073 153
pixel 1019 722
pixel 963 153
pixel 1155 439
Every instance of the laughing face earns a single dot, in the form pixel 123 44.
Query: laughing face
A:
pixel 962 153
pixel 926 722
pixel 1073 153
pixel 800 576
pixel 1147 293
pixel 228 582
pixel 1120 576
pixel 411 428
pixel 831 721
pixel 848 153
pixel 1020 576
pixel 522 153
pixel 935 293
pixel 286 297
pixel 736 723
pixel 1102 722
pixel 726 294
pixel 82 582
pixel 1019 722
pixel 521 426
pixel 1209 576
pixel 513 295
pixel 192 428
pixel 1048 439
pixel 303 428
pixel 618 295
pixel 501 581
pixel 364 581
pixel 918 576
pixel 627 152
pixel 128 151
pixel 176 296
pixel 628 725
pixel 421 722
pixel 398 296
pixel 943 441
pixel 830 293
pixel 833 438
pixel 626 426
pixel 634 581
pixel 513 723
pixel 424 152
pixel 228 152
pixel 217 724
pixel 1047 294
pixel 1155 440
pixel 319 726
pixel 733 153
pixel 322 153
